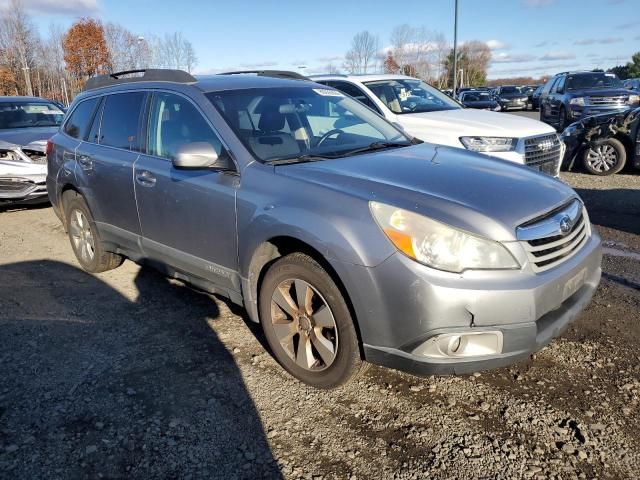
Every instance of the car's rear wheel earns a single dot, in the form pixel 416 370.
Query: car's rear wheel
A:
pixel 85 239
pixel 308 324
pixel 605 158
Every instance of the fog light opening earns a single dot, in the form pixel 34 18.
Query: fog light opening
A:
pixel 462 345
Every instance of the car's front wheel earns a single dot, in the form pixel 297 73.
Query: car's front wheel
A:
pixel 308 324
pixel 85 239
pixel 605 158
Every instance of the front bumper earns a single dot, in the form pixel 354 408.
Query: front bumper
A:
pixel 22 190
pixel 506 104
pixel 402 304
pixel 577 112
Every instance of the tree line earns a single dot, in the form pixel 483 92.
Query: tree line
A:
pixel 417 52
pixel 57 65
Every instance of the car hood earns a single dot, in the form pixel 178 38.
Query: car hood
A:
pixel 25 136
pixel 600 92
pixel 436 126
pixel 17 167
pixel 479 194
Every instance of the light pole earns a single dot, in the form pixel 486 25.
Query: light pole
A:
pixel 455 49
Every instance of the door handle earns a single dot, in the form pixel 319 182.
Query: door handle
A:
pixel 86 162
pixel 145 178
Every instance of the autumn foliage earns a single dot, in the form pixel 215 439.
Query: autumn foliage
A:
pixel 85 49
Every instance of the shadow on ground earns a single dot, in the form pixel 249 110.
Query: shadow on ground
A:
pixel 94 384
pixel 617 208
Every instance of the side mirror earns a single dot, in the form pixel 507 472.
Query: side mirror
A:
pixel 201 155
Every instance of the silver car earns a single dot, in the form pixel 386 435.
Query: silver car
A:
pixel 349 241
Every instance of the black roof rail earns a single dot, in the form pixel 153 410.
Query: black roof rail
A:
pixel 148 75
pixel 270 73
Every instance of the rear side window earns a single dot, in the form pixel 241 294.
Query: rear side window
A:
pixel 121 120
pixel 175 122
pixel 354 92
pixel 80 120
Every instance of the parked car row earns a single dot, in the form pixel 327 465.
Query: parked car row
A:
pixel 346 237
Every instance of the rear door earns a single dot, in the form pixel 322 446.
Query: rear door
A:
pixel 105 165
pixel 188 216
pixel 556 99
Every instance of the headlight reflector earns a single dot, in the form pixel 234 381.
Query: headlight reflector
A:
pixel 489 144
pixel 633 99
pixel 438 245
pixel 579 101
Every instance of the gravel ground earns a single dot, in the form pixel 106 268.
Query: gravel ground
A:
pixel 129 375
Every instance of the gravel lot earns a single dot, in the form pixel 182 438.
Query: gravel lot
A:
pixel 129 375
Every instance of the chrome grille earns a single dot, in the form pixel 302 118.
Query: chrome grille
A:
pixel 616 101
pixel 547 245
pixel 543 153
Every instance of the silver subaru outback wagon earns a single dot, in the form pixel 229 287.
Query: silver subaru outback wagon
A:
pixel 348 241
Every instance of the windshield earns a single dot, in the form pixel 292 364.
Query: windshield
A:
pixel 510 90
pixel 411 96
pixel 476 97
pixel 29 114
pixel 593 80
pixel 288 123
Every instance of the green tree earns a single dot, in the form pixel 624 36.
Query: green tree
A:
pixel 634 66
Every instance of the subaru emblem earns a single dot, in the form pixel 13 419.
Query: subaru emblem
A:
pixel 565 225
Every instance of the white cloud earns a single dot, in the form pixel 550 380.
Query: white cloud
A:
pixel 591 41
pixel 497 45
pixel 550 56
pixel 331 58
pixel 57 7
pixel 512 58
pixel 257 66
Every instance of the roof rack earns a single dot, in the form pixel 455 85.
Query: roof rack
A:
pixel 270 73
pixel 148 75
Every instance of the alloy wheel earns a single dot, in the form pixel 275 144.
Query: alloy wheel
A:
pixel 602 158
pixel 304 325
pixel 81 236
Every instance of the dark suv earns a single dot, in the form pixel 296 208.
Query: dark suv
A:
pixel 346 239
pixel 571 96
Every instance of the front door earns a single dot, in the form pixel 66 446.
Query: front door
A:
pixel 187 216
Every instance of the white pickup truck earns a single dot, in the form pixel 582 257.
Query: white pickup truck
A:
pixel 430 115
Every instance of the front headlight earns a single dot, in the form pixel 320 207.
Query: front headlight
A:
pixel 489 144
pixel 579 101
pixel 438 245
pixel 633 99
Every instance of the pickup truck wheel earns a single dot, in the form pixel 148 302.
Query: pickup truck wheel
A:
pixel 307 323
pixel 605 158
pixel 85 240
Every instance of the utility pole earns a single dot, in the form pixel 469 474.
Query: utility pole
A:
pixel 455 49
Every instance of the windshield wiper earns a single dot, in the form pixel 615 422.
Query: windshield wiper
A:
pixel 301 159
pixel 372 147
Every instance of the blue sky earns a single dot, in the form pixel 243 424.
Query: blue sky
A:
pixel 529 37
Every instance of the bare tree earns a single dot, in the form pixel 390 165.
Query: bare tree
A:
pixel 363 54
pixel 127 50
pixel 331 68
pixel 173 51
pixel 419 51
pixel 17 42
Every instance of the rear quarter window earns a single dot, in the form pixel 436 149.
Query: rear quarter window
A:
pixel 79 123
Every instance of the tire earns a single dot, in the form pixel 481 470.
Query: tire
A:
pixel 605 158
pixel 323 326
pixel 562 119
pixel 85 239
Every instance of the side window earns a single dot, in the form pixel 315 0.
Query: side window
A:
pixel 121 120
pixel 549 85
pixel 173 122
pixel 79 122
pixel 559 85
pixel 95 127
pixel 353 91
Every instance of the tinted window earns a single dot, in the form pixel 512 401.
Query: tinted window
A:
pixel 79 122
pixel 174 122
pixel 559 86
pixel 547 87
pixel 410 96
pixel 120 120
pixel 592 80
pixel 354 92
